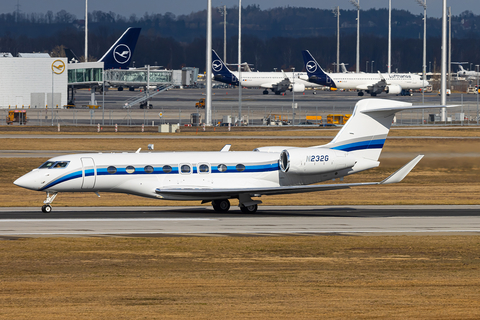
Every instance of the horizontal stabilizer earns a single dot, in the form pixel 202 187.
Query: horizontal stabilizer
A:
pixel 403 171
pixel 401 108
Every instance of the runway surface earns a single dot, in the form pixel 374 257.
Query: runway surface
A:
pixel 310 220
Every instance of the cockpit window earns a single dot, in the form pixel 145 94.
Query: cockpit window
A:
pixel 47 165
pixel 54 164
pixel 61 164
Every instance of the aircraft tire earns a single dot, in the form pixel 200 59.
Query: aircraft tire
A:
pixel 221 205
pixel 265 91
pixel 46 208
pixel 249 209
pixel 360 93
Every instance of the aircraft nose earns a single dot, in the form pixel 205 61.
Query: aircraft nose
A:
pixel 26 182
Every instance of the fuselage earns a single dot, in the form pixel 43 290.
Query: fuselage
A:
pixel 267 79
pixel 357 81
pixel 143 174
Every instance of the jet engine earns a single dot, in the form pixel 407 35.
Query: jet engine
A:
pixel 393 89
pixel 298 87
pixel 314 160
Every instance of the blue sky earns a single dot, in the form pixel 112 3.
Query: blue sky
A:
pixel 139 7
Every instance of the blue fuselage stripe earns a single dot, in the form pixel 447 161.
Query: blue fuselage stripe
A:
pixel 158 170
pixel 363 145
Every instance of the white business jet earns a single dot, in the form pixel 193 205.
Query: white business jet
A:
pixel 217 176
pixel 467 74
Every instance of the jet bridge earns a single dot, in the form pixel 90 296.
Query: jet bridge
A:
pixel 92 74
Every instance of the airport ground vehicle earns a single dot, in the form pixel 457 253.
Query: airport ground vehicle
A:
pixel 17 116
pixel 200 104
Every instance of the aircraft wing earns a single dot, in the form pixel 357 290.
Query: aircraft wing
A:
pixel 206 193
pixel 268 85
pixel 374 86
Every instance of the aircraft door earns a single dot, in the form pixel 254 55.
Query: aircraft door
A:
pixel 89 173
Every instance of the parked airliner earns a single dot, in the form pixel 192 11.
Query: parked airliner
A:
pixel 277 82
pixel 217 176
pixel 372 83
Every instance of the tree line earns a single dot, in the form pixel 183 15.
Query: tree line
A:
pixel 271 38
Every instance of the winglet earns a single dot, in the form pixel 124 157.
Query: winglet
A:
pixel 226 148
pixel 403 171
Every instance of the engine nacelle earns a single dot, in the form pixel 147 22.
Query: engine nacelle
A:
pixel 314 160
pixel 393 89
pixel 298 87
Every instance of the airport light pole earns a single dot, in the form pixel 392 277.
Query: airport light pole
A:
pixel 449 47
pixel 336 12
pixel 356 4
pixel 443 90
pixel 86 30
pixel 389 36
pixel 423 3
pixel 371 65
pixel 366 66
pixel 208 100
pixel 240 61
pixel 224 14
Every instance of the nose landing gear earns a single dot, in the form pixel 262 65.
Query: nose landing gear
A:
pixel 47 208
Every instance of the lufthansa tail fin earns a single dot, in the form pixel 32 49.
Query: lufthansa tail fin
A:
pixel 120 53
pixel 221 72
pixel 315 72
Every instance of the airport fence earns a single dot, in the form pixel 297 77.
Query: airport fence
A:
pixel 463 114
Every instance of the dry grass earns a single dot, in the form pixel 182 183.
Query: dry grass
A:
pixel 340 277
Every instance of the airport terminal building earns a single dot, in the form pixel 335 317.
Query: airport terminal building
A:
pixel 33 80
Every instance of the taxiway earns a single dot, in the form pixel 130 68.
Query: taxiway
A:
pixel 313 220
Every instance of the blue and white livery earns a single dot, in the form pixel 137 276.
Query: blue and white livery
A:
pixel 217 176
pixel 372 83
pixel 277 82
pixel 120 53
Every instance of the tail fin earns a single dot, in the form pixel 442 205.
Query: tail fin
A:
pixel 221 72
pixel 365 132
pixel 71 56
pixel 120 53
pixel 315 72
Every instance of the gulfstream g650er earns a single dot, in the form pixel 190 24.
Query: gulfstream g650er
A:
pixel 217 176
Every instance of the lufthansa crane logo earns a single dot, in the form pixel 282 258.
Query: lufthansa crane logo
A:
pixel 122 53
pixel 217 65
pixel 58 66
pixel 311 66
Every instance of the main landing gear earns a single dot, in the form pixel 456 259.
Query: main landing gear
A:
pixel 223 206
pixel 47 208
pixel 265 91
pixel 249 209
pixel 360 93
